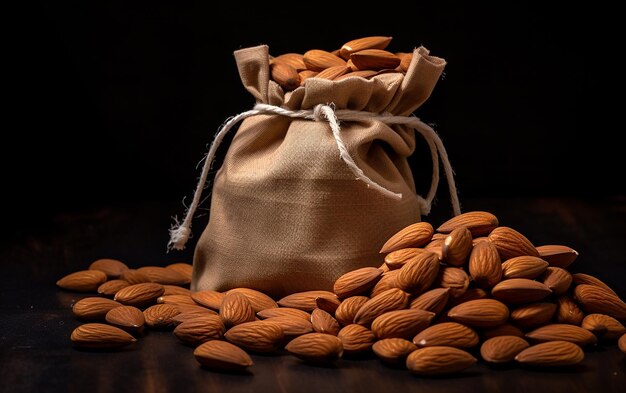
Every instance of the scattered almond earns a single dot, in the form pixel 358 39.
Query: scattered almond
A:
pixel 160 315
pixel 511 244
pixel 323 322
pixel 479 223
pixel 454 279
pixel 356 338
pixel 557 279
pixel 502 349
pixel 208 298
pixel 524 267
pixel 480 313
pixel 110 288
pixel 603 326
pixel 553 353
pixel 201 329
pixel 392 299
pixel 222 355
pixel 533 315
pixel 348 308
pixel 414 235
pixel 434 300
pixel 111 267
pixel 304 301
pixel 164 275
pixel 485 266
pixel 316 347
pixel 520 290
pixel 83 281
pixel 256 336
pixel 419 273
pixel 100 336
pixel 236 309
pixel 393 350
pixel 562 332
pixel 447 334
pixel 357 282
pixel 596 300
pixel 93 308
pixel 401 323
pixel 284 312
pixel 360 44
pixel 438 360
pixel 128 318
pixel 559 256
pixel 457 246
pixel 258 300
pixel 139 295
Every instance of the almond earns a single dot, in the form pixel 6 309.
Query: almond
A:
pixel 457 246
pixel 511 244
pixel 502 330
pixel 524 267
pixel 454 279
pixel 306 74
pixel 393 350
pixel 316 347
pixel 415 235
pixel 184 269
pixel 622 343
pixel 110 288
pixel 520 290
pixel 595 300
pixel 176 299
pixel 397 259
pixel 374 59
pixel 502 349
pixel 366 74
pixel 236 309
pixel 470 294
pixel 559 256
pixel 334 72
pixel 401 323
pixel 284 312
pixel 319 60
pixel 295 60
pixel 348 308
pixel 323 322
pixel 581 278
pixel 485 266
pixel 479 223
pixel 392 299
pixel 93 308
pixel 222 356
pixel 201 329
pixel 83 281
pixel 438 360
pixel 356 339
pixel 175 290
pixel 447 334
pixel 357 282
pixel 435 246
pixel 360 44
pixel 568 311
pixel 603 326
pixel 405 61
pixel 187 308
pixel 128 318
pixel 562 332
pixel 258 300
pixel 208 298
pixel 533 315
pixel 139 295
pixel 387 281
pixel 100 336
pixel 292 326
pixel 480 313
pixel 557 279
pixel 134 277
pixel 434 300
pixel 304 301
pixel 160 315
pixel 553 353
pixel 481 239
pixel 328 304
pixel 111 267
pixel 256 336
pixel 285 75
pixel 163 275
pixel 418 274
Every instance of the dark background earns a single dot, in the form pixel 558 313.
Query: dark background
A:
pixel 115 102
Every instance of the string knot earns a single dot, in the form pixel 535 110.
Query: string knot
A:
pixel 318 112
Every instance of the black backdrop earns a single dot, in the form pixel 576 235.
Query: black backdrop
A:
pixel 115 101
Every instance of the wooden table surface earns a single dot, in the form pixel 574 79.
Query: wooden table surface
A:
pixel 36 355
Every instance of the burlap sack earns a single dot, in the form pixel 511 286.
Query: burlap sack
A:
pixel 287 214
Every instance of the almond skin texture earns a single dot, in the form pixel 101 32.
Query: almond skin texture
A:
pixel 502 349
pixel 347 310
pixel 454 279
pixel 319 60
pixel 93 308
pixel 187 308
pixel 83 281
pixel 438 361
pixel 397 259
pixel 128 318
pixel 559 256
pixel 160 315
pixel 208 298
pixel 519 291
pixel 470 294
pixel 511 244
pixel 304 301
pixel 323 322
pixel 328 304
pixel 447 334
pixel 284 312
pixel 332 73
pixel 185 269
pixel 316 347
pixel 110 288
pixel 557 279
pixel 434 300
pixel 356 339
pixel 111 267
pixel 393 350
pixel 140 295
pixel 568 311
pixel 457 246
pixel 524 267
pixel 581 278
pixel 257 336
pixel 553 353
pixel 418 274
pixel 622 343
pixel 357 282
pixel 533 315
pixel 374 59
pixel 293 59
pixel 376 42
pixel 595 300
pixel 401 323
pixel 392 299
pixel 134 277
pixel 222 355
pixel 292 326
pixel 479 223
pixel 603 326
pixel 562 332
pixel 415 235
pixel 285 75
pixel 100 336
pixel 502 330
pixel 171 290
pixel 163 275
pixel 236 309
pixel 480 313
pixel 176 299
pixel 485 266
pixel 387 281
pixel 199 330
pixel 258 300
pixel 405 61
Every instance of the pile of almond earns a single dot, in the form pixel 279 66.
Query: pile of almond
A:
pixel 472 288
pixel 363 57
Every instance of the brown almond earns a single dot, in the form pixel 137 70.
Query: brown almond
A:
pixel 175 290
pixel 511 244
pixel 434 300
pixel 111 287
pixel 93 308
pixel 559 256
pixel 595 300
pixel 188 315
pixel 348 308
pixel 182 268
pixel 208 298
pixel 187 308
pixel 405 61
pixel 258 300
pixel 581 278
pixel 83 281
pixel 295 60
pixel 128 318
pixel 480 313
pixel 568 311
pixel 375 42
pixel 453 278
pixel 134 277
pixel 470 294
pixel 222 355
pixel 292 326
pixel 393 350
pixel 176 299
pixel 356 339
pixel 457 246
pixel 397 259
pixel 485 266
pixel 480 239
pixel 557 279
pixel 438 361
pixel 519 291
pixel 306 74
pixel 562 332
pixel 622 343
pixel 414 235
pixel 236 309
pixel 532 315
pixel 139 295
pixel 435 246
pixel 387 281
pixel 418 274
pixel 316 347
pixel 502 349
pixel 319 60
pixel 332 73
pixel 285 75
pixel 447 334
pixel 553 353
pixel 304 301
pixel 328 304
pixel 201 329
pixel 390 300
pixel 502 330
pixel 479 223
pixel 256 336
pixel 366 74
pixel 164 276
pixel 100 336
pixel 111 267
pixel 374 59
pixel 357 282
pixel 283 312
pixel 603 326
pixel 323 322
pixel 160 315
pixel 401 323
pixel 524 267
